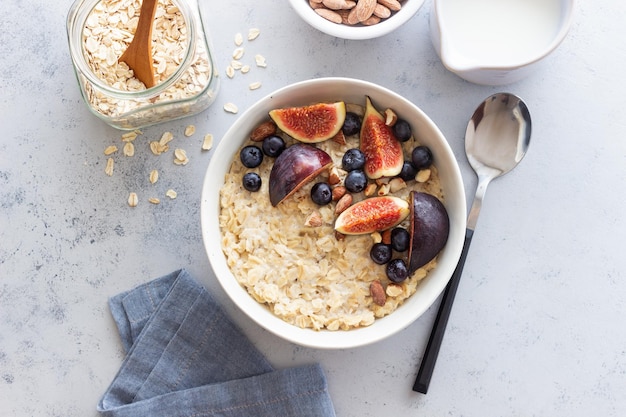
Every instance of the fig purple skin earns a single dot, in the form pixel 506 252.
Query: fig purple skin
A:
pixel 429 229
pixel 294 167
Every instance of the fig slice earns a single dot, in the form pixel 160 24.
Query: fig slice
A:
pixel 311 124
pixel 383 151
pixel 429 228
pixel 372 215
pixel 294 167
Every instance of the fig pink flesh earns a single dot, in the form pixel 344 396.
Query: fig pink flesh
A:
pixel 311 124
pixel 297 165
pixel 383 152
pixel 371 215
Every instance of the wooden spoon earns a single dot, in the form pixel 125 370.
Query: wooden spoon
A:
pixel 138 55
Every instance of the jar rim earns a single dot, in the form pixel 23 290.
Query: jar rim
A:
pixel 76 20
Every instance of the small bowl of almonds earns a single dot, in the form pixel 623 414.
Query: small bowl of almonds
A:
pixel 356 19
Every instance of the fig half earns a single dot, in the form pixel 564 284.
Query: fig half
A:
pixel 429 228
pixel 311 124
pixel 294 167
pixel 372 215
pixel 383 151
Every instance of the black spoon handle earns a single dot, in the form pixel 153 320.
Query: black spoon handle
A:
pixel 439 327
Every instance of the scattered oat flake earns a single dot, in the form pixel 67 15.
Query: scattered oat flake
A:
pixel 207 143
pixel 238 39
pixel 180 154
pixel 166 138
pixel 260 61
pixel 236 65
pixel 253 33
pixel 129 149
pixel 110 150
pixel 230 108
pixel 154 200
pixel 238 53
pixel 154 176
pixel 133 199
pixel 180 157
pixel 255 85
pixel 130 136
pixel 109 168
pixel 245 69
pixel 230 71
pixel 155 148
pixel 190 130
pixel 171 194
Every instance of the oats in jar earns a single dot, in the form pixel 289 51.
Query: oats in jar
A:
pixel 100 31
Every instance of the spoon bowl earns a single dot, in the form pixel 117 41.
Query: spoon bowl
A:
pixel 496 139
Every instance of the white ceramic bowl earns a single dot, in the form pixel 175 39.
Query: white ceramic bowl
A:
pixel 409 8
pixel 354 91
pixel 491 42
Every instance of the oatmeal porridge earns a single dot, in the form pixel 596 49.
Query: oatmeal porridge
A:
pixel 304 272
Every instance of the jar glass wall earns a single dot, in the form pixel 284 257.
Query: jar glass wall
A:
pixel 187 81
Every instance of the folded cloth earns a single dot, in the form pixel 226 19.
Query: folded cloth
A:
pixel 185 358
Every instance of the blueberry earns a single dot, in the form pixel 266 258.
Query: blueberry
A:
pixel 421 157
pixel 321 193
pixel 402 130
pixel 408 172
pixel 273 146
pixel 251 156
pixel 355 181
pixel 397 270
pixel 353 159
pixel 252 181
pixel 400 239
pixel 352 124
pixel 380 253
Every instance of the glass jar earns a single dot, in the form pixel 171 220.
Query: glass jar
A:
pixel 186 78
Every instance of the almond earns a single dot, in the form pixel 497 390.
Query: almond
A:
pixel 333 177
pixel 339 4
pixel 396 184
pixel 386 235
pixel 378 293
pixel 344 202
pixel 365 9
pixel 338 192
pixel 314 219
pixel 329 15
pixel 262 131
pixel 390 117
pixel 393 5
pixel 382 11
pixel 352 17
pixel 372 20
pixel 370 189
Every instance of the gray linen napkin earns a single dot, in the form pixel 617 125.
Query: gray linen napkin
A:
pixel 185 358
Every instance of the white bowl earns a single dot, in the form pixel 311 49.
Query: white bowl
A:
pixel 491 42
pixel 304 10
pixel 349 90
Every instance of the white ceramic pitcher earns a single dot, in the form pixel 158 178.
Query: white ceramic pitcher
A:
pixel 496 42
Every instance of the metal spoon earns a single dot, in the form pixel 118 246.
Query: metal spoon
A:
pixel 496 140
pixel 138 55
